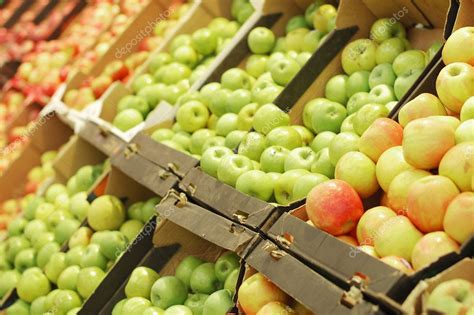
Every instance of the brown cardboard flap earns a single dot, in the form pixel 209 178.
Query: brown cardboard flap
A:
pixel 126 188
pixel 100 137
pixel 144 172
pixel 110 100
pixel 300 282
pixel 465 16
pixel 75 154
pixel 204 223
pixel 164 156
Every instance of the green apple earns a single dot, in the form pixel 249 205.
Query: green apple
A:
pixel 196 302
pixel 204 280
pixel 141 81
pixel 328 116
pixel 285 184
pixel 186 55
pixel 178 41
pixel 268 94
pixel 341 144
pixel 357 82
pixel 284 70
pixel 385 28
pixel 88 280
pixel 134 102
pixel 127 119
pixel 303 58
pixel 49 302
pixel 54 267
pixel 140 282
pixel 148 209
pixel 389 49
pixel 106 213
pixel 15 245
pixel 68 278
pixel 46 252
pixel 162 134
pixel 44 211
pixel 382 94
pixel 231 281
pixel 357 101
pixel 56 218
pixel 294 39
pixel 225 265
pixel 322 164
pixel 159 60
pixel 93 257
pixel 252 145
pixel 268 117
pixel 231 167
pixel 74 255
pixel 16 227
pixel 79 206
pixel 186 268
pixel 81 237
pixel 306 135
pixel 62 201
pixel 204 41
pixel 211 158
pixel 111 243
pixel 324 18
pixel 322 140
pixel 31 207
pixel 408 61
pixel 153 310
pixel 219 302
pixel 308 112
pixel 236 78
pixel 273 159
pixel 367 115
pixel 465 132
pixel 238 99
pixel 226 123
pixel 135 306
pixel 183 139
pixel 256 65
pixel 34 228
pixel 404 82
pixel 208 90
pixel 173 74
pixel 359 55
pixel 25 259
pixel 336 89
pixel 65 229
pixel 348 124
pixel 168 291
pixel 20 307
pixel 286 137
pixel 8 281
pixel 234 138
pixel 300 158
pixel 302 187
pixel 178 310
pixel 467 110
pixel 255 183
pixel 53 191
pixel 37 306
pixel 296 22
pixel 41 240
pixel 261 40
pixel 382 74
pixel 131 228
pixel 198 139
pixel 311 41
pixel 451 297
pixel 192 116
pixel 65 301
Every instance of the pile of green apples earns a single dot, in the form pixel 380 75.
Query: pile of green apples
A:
pixel 221 113
pixel 171 74
pixel 197 288
pixel 276 161
pixel 50 279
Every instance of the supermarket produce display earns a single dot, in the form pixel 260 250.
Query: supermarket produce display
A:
pixel 236 157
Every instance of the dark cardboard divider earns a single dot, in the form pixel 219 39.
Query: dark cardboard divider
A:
pixel 56 32
pixel 101 138
pixel 229 202
pixel 15 17
pixel 44 12
pixel 314 291
pixel 145 172
pixel 182 229
pixel 7 71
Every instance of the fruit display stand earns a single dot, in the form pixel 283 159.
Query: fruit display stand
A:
pixel 49 133
pixel 182 229
pixel 267 13
pixel 17 13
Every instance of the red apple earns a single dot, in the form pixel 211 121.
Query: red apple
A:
pixel 397 236
pixel 100 84
pixel 458 165
pixel 383 134
pixel 424 105
pixel 452 51
pixel 459 217
pixel 455 84
pixel 273 308
pixel 116 70
pixel 425 141
pixel 428 200
pixel 256 291
pixel 398 263
pixel 370 222
pixel 430 247
pixel 334 206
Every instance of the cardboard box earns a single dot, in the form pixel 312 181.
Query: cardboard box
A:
pixel 182 229
pixel 415 302
pixel 49 133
